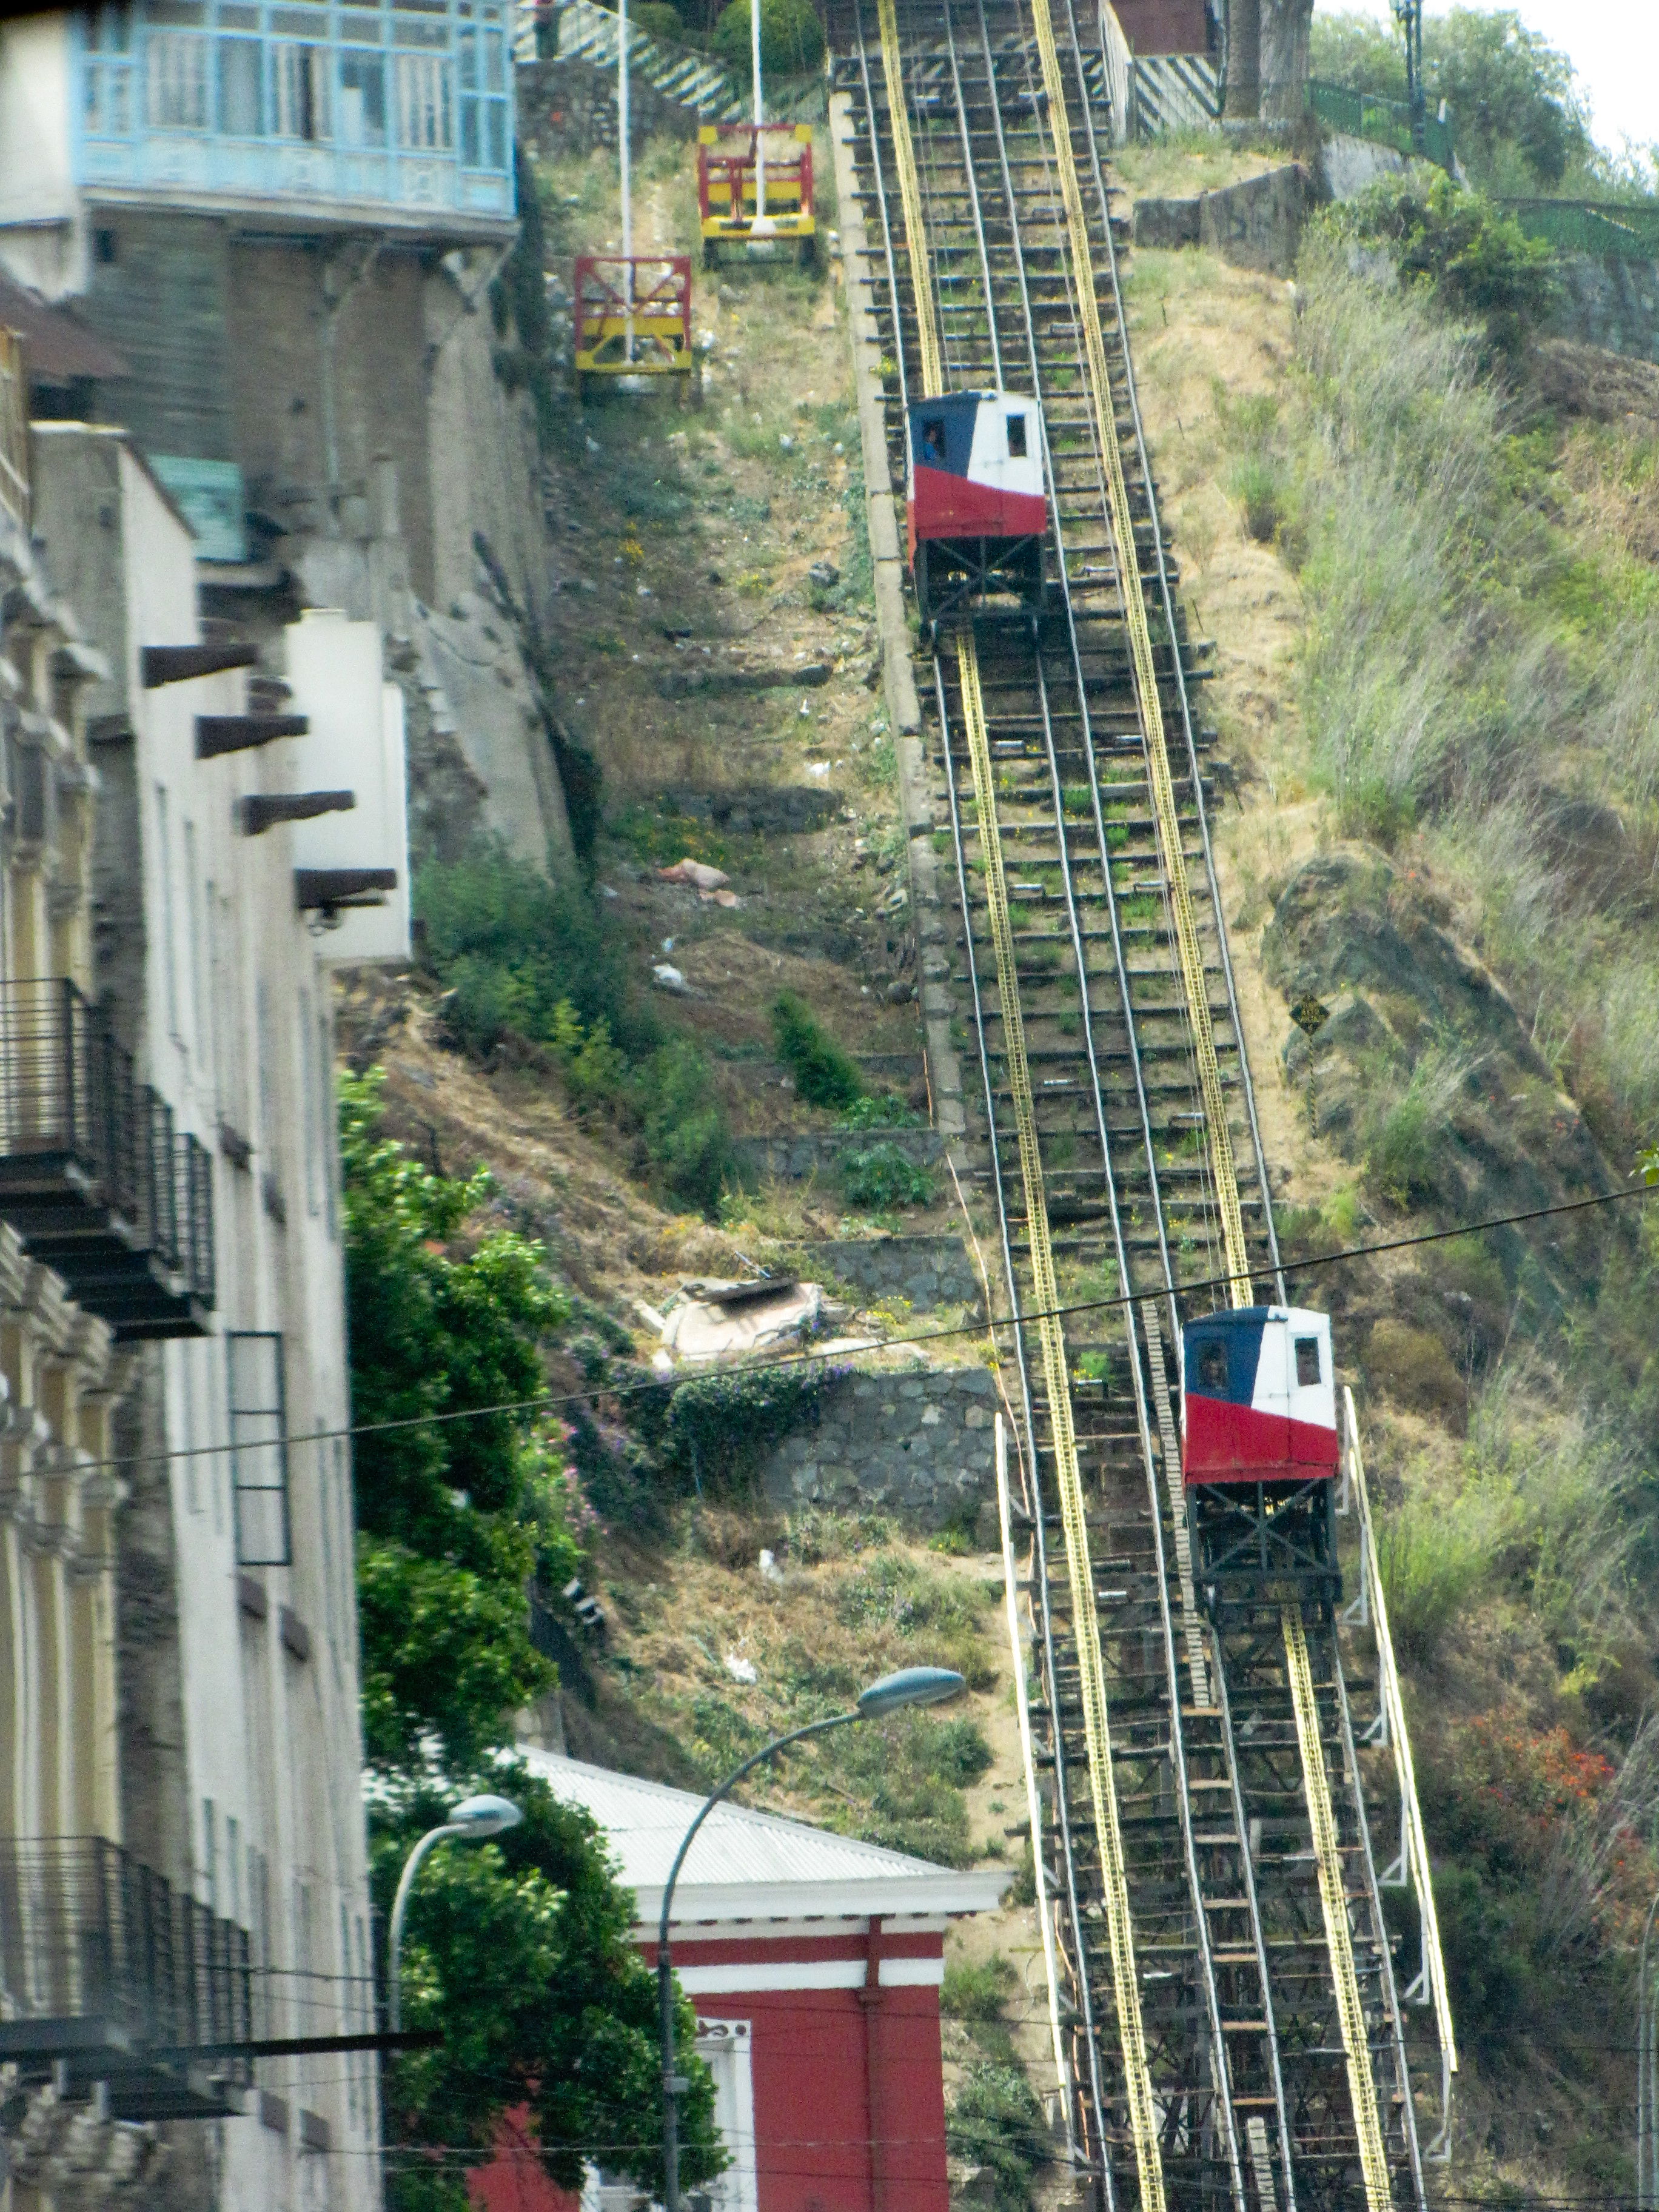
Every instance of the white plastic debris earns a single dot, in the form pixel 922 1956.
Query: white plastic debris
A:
pixel 817 768
pixel 668 978
pixel 770 1571
pixel 660 1363
pixel 786 443
pixel 606 891
pixel 740 1669
pixel 594 447
pixel 696 873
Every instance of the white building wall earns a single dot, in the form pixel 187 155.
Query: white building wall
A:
pixel 42 233
pixel 236 1034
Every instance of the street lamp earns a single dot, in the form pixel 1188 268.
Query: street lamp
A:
pixel 474 1820
pixel 911 1686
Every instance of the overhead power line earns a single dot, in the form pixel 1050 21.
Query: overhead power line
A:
pixel 549 1402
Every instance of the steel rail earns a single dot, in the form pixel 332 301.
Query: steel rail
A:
pixel 1039 1532
pixel 1220 2048
pixel 1085 1994
pixel 1146 670
pixel 1350 2011
pixel 1085 1630
pixel 1220 2061
pixel 1167 596
pixel 1334 1903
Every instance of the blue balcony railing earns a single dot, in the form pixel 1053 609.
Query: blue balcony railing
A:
pixel 403 105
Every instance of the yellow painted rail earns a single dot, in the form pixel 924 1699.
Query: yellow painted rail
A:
pixel 1361 2083
pixel 1057 1384
pixel 915 234
pixel 1223 1169
pixel 1333 1902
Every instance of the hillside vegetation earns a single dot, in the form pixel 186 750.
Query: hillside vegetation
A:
pixel 1424 543
pixel 1424 546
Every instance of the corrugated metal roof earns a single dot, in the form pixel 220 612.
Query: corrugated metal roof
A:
pixel 746 1864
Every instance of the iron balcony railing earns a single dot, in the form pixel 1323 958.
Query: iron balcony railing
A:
pixel 109 1973
pixel 93 1175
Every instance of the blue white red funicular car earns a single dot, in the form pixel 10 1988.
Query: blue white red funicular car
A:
pixel 1260 1453
pixel 977 502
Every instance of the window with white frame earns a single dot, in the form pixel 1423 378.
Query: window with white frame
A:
pixel 259 1448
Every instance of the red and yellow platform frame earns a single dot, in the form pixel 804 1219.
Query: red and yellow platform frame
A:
pixel 725 184
pixel 633 315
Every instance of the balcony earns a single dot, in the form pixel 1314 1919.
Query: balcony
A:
pixel 109 1974
pixel 403 110
pixel 92 1176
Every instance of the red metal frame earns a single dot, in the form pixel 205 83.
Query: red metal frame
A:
pixel 660 315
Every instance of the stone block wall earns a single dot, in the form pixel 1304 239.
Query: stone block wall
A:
pixel 928 1271
pixel 570 107
pixel 920 1445
pixel 1609 303
pixel 795 1157
pixel 1256 224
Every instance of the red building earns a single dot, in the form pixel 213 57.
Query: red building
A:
pixel 814 1962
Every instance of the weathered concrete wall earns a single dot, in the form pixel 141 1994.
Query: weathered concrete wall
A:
pixel 1609 303
pixel 926 1271
pixel 920 1445
pixel 1256 224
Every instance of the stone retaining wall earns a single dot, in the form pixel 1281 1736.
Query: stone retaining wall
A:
pixel 794 1157
pixel 928 1271
pixel 920 1445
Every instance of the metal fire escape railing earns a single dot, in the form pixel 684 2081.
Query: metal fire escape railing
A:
pixel 93 1175
pixel 110 1973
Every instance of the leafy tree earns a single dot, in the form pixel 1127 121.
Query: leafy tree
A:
pixel 791 37
pixel 1518 121
pixel 519 1951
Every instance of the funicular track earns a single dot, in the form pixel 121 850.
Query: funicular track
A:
pixel 1235 2034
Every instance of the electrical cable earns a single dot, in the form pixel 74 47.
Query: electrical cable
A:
pixel 549 1401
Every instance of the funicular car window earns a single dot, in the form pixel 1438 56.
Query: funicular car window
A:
pixel 1307 1362
pixel 933 440
pixel 1016 437
pixel 1212 1364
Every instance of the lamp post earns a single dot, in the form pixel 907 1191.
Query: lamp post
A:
pixel 911 1686
pixel 1647 2091
pixel 474 1820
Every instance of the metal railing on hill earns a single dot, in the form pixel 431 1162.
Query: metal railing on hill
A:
pixel 1629 233
pixel 1410 1868
pixel 1385 122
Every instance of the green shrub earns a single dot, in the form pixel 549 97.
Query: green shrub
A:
pixel 686 1138
pixel 791 37
pixel 1257 485
pixel 977 1991
pixel 825 1075
pixel 1431 1563
pixel 880 1110
pixel 884 1178
pixel 658 20
pixel 721 1426
pixel 995 2121
pixel 1475 260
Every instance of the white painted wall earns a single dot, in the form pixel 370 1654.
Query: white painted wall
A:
pixel 237 1035
pixel 41 233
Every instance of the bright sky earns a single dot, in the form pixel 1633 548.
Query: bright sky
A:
pixel 1615 47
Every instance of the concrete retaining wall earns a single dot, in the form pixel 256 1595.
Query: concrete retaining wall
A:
pixel 918 1446
pixel 1254 225
pixel 1609 303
